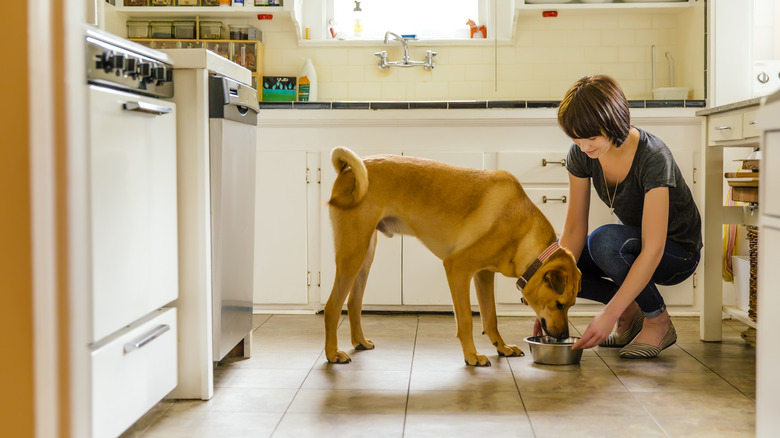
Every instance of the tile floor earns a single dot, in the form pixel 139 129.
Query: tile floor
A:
pixel 415 384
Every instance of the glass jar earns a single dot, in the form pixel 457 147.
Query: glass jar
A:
pixel 209 2
pixel 184 30
pixel 137 29
pixel 245 55
pixel 162 2
pixel 211 30
pixel 135 2
pixel 186 2
pixel 161 29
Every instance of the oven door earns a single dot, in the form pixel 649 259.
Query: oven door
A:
pixel 133 207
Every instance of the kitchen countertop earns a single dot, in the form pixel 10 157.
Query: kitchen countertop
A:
pixel 463 104
pixel 208 60
pixel 730 106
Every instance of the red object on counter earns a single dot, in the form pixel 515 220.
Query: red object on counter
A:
pixel 550 14
pixel 265 16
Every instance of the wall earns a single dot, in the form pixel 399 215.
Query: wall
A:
pixel 545 57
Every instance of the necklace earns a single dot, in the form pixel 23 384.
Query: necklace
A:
pixel 610 198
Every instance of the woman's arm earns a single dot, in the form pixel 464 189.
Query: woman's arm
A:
pixel 575 229
pixel 655 216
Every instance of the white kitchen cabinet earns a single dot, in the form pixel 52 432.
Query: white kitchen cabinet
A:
pixel 730 126
pixel 281 228
pixel 384 280
pixel 424 279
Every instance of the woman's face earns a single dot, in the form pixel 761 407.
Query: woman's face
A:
pixel 594 147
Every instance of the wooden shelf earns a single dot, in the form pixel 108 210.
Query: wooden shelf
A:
pixel 209 11
pixel 739 314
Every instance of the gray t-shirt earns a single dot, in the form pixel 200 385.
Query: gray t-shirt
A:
pixel 653 166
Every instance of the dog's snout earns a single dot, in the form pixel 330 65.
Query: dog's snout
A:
pixel 564 334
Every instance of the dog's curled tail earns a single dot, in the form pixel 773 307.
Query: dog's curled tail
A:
pixel 346 193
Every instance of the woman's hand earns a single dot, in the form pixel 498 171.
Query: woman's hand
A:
pixel 537 328
pixel 598 330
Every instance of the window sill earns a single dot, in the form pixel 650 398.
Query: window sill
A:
pixel 411 43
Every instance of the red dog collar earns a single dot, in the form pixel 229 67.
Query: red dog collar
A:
pixel 523 280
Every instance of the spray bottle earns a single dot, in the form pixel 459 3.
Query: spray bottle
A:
pixel 307 83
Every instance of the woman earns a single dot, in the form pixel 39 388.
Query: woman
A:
pixel 658 237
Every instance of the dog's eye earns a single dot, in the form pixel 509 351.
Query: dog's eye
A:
pixel 558 305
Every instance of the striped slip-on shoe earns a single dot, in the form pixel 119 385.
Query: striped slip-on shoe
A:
pixel 635 350
pixel 617 340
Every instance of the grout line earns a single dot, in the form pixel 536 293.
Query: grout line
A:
pixel 525 409
pixel 343 318
pixel 715 372
pixel 411 369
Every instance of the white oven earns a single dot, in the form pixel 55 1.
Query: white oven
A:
pixel 134 243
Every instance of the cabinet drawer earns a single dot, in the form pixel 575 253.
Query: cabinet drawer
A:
pixel 132 373
pixel 749 126
pixel 724 127
pixel 535 167
pixel 553 202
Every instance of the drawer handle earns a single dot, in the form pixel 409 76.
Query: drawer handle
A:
pixel 147 108
pixel 722 128
pixel 545 162
pixel 562 199
pixel 147 338
pixel 752 122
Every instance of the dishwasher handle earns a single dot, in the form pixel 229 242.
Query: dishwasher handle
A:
pixel 147 338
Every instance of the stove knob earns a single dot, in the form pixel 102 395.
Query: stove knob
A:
pixel 145 69
pixel 103 61
pixel 158 73
pixel 117 62
pixel 763 77
pixel 131 66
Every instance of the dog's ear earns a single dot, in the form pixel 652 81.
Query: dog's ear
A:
pixel 556 279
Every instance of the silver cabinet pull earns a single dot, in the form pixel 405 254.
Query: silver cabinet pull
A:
pixel 147 338
pixel 148 108
pixel 722 128
pixel 562 199
pixel 545 162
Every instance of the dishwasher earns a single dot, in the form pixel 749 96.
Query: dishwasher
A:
pixel 233 109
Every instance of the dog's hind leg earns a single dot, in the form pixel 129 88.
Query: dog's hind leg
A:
pixel 351 249
pixel 458 280
pixel 355 303
pixel 484 282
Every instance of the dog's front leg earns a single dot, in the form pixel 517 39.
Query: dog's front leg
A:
pixel 484 282
pixel 458 280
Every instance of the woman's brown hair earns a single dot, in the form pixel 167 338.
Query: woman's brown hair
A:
pixel 594 106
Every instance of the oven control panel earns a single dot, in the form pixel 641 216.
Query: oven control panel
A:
pixel 128 68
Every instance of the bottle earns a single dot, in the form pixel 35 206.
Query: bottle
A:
pixel 357 15
pixel 307 83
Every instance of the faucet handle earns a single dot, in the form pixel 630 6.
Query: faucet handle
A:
pixel 382 64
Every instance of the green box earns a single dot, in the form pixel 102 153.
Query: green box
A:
pixel 279 88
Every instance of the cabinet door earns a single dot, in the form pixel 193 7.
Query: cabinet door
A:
pixel 424 280
pixel 384 279
pixel 280 228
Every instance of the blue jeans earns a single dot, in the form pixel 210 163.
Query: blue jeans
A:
pixel 609 252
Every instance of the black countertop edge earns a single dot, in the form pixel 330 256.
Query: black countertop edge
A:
pixel 466 104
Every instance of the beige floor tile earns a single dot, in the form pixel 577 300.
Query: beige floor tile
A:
pixel 545 379
pixel 467 426
pixel 427 360
pixel 298 425
pixel 728 426
pixel 260 378
pixel 466 379
pixel 465 402
pixel 376 360
pixel 214 425
pixel 697 404
pixel 343 377
pixel 581 403
pixel 348 401
pixel 249 400
pixel 637 382
pixel 595 425
pixel 278 359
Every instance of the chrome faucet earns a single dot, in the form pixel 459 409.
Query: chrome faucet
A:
pixel 385 65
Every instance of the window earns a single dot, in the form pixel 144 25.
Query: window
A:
pixel 427 19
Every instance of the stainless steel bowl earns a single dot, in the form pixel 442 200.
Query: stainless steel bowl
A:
pixel 547 350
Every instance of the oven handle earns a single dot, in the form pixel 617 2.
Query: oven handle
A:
pixel 148 108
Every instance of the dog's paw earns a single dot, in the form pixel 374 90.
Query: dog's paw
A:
pixel 339 357
pixel 478 360
pixel 510 351
pixel 365 345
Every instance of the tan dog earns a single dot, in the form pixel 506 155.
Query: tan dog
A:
pixel 477 222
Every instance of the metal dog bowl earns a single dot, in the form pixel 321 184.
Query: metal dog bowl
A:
pixel 547 350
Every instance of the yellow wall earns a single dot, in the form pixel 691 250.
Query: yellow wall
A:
pixel 16 323
pixel 547 56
